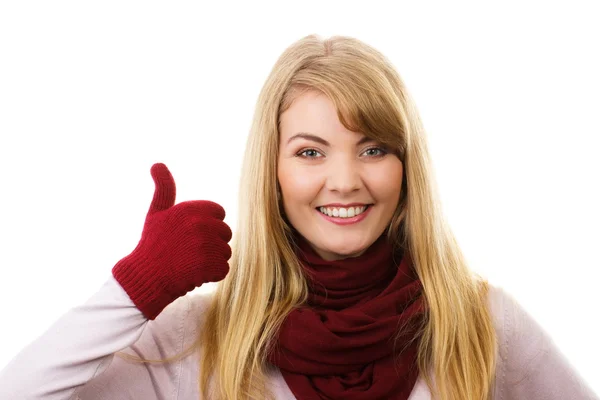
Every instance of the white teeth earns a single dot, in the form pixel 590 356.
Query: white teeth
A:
pixel 341 212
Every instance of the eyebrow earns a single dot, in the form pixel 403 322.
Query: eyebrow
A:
pixel 315 138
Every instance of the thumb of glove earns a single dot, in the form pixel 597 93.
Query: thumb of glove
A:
pixel 164 189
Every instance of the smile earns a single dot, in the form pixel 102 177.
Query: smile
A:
pixel 342 212
pixel 352 215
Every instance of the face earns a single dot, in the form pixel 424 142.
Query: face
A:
pixel 339 188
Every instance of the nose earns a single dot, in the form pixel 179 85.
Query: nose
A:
pixel 343 176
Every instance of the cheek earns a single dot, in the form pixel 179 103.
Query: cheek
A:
pixel 297 185
pixel 387 185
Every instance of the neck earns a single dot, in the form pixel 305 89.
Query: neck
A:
pixel 342 283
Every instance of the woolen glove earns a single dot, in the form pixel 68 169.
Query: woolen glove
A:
pixel 182 247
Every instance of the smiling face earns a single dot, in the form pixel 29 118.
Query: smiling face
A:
pixel 339 188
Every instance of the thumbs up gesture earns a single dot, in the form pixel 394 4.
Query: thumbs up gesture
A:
pixel 182 247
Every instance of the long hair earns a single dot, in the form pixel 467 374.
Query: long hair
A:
pixel 265 282
pixel 457 342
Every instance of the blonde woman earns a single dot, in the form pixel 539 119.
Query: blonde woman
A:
pixel 343 280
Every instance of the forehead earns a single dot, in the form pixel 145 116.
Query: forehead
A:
pixel 313 112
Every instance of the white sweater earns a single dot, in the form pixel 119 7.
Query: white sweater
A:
pixel 74 358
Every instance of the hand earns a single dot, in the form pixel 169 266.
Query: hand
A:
pixel 182 247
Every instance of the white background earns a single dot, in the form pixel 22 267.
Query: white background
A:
pixel 91 95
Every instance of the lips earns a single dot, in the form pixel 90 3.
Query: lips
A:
pixel 340 205
pixel 342 212
pixel 345 220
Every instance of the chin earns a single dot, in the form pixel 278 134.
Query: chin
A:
pixel 343 250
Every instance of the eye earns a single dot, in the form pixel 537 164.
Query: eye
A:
pixel 308 153
pixel 375 152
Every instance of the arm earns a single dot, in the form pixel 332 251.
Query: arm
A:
pixel 81 345
pixel 182 247
pixel 534 367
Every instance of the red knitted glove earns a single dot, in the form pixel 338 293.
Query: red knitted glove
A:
pixel 182 247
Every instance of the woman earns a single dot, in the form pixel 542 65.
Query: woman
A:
pixel 344 281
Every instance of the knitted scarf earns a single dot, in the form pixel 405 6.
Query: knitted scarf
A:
pixel 345 342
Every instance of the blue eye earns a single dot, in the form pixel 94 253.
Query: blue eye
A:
pixel 308 153
pixel 370 152
pixel 379 152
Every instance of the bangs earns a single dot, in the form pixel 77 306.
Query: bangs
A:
pixel 365 100
pixel 373 116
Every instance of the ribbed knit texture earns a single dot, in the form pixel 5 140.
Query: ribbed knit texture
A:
pixel 182 247
pixel 344 343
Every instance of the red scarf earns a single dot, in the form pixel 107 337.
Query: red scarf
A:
pixel 341 344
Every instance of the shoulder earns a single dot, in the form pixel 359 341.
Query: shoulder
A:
pixel 518 339
pixel 519 334
pixel 530 365
pixel 180 322
pixel 499 303
pixel 175 328
pixel 197 304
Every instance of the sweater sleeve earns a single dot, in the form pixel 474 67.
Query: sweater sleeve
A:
pixel 534 368
pixel 66 360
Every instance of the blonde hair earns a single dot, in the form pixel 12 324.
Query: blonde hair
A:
pixel 457 342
